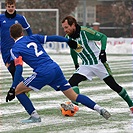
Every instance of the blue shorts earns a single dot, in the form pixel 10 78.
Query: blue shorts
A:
pixel 53 77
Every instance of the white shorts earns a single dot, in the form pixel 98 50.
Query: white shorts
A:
pixel 89 71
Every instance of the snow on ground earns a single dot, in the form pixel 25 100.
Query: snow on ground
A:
pixel 15 124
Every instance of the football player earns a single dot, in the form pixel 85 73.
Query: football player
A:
pixel 46 72
pixel 94 62
pixel 7 19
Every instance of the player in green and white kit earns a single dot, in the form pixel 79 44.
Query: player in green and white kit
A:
pixel 94 62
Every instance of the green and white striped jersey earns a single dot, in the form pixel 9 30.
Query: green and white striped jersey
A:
pixel 90 53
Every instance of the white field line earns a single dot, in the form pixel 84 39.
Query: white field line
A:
pixel 53 94
pixel 58 120
pixel 14 123
pixel 45 121
pixel 55 104
pixel 26 74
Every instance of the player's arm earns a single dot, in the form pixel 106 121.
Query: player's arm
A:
pixel 29 31
pixel 18 72
pixel 103 38
pixel 74 57
pixel 72 44
pixel 26 25
pixel 97 36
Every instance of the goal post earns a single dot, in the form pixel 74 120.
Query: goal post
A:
pixel 42 10
pixel 49 21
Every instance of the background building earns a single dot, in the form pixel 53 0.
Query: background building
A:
pixel 115 16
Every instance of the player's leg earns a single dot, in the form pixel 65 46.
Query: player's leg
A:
pixel 110 81
pixel 26 103
pixel 104 72
pixel 34 82
pixel 86 101
pixel 65 87
pixel 121 91
pixel 74 81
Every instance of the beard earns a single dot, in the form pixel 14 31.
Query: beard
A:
pixel 76 32
pixel 71 33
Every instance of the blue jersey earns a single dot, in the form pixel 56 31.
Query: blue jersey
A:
pixel 31 50
pixel 6 41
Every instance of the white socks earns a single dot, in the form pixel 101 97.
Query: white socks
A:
pixel 35 114
pixel 97 108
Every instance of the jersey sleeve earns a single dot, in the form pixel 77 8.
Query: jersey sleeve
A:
pixel 96 36
pixel 0 21
pixel 26 25
pixel 19 67
pixel 17 76
pixel 29 31
pixel 74 56
pixel 43 39
pixel 73 53
pixel 56 38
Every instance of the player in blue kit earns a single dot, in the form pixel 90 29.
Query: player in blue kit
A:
pixel 46 72
pixel 7 19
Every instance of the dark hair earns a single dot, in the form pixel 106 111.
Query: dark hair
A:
pixel 16 30
pixel 10 2
pixel 70 20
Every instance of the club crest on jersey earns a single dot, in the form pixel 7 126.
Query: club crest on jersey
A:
pixel 16 21
pixel 79 48
pixel 4 21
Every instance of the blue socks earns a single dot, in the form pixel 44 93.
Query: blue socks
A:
pixel 26 102
pixel 85 101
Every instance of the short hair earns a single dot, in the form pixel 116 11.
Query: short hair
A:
pixel 10 2
pixel 16 31
pixel 70 20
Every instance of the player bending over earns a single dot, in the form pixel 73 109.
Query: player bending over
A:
pixel 46 72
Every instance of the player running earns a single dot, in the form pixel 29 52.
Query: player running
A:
pixel 46 72
pixel 94 62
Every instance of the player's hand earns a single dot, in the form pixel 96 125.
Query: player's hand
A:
pixel 10 95
pixel 76 66
pixel 102 56
pixel 72 44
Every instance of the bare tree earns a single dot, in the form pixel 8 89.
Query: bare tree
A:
pixel 46 21
pixel 123 16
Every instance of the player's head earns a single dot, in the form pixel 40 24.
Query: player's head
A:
pixel 69 25
pixel 16 31
pixel 10 6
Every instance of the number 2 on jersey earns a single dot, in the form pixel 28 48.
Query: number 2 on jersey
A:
pixel 37 53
